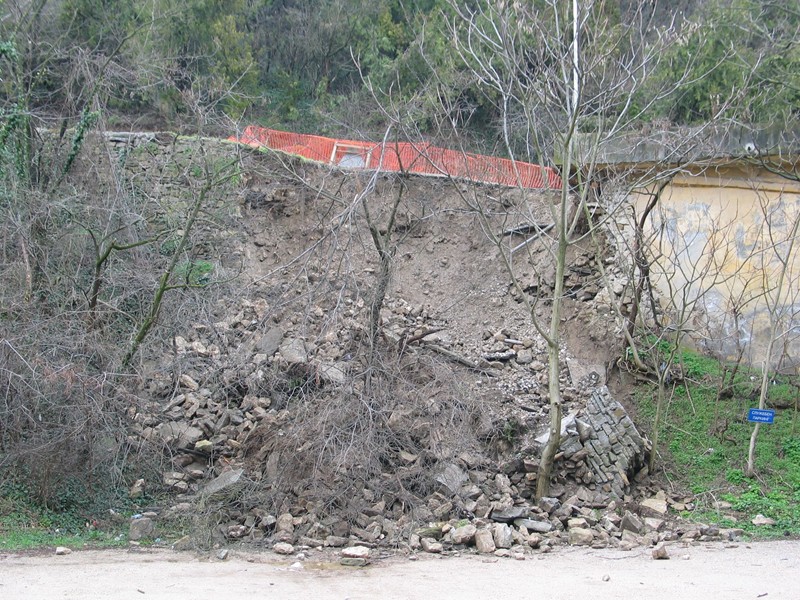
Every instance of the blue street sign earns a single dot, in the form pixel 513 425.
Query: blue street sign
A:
pixel 758 415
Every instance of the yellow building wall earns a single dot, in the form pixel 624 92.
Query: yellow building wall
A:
pixel 725 238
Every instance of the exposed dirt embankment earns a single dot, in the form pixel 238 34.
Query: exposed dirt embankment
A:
pixel 299 411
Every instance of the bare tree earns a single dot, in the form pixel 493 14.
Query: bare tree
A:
pixel 568 83
pixel 778 266
pixel 686 256
pixel 212 178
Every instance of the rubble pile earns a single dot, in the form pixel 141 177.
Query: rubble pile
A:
pixel 218 410
pixel 292 341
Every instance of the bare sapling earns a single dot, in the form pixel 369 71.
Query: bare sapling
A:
pixel 582 99
pixel 779 268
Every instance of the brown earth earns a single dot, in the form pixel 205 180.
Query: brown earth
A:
pixel 272 371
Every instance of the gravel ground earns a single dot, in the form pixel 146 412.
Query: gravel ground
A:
pixel 741 571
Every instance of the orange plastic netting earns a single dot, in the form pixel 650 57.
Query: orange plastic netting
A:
pixel 422 158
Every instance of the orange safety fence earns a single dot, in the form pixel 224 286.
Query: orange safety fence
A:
pixel 422 158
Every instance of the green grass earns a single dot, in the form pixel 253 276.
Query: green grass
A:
pixel 24 525
pixel 73 517
pixel 194 272
pixel 15 538
pixel 704 446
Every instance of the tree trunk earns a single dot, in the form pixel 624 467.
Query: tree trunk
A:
pixel 380 295
pixel 654 436
pixel 163 284
pixel 641 263
pixel 554 441
pixel 553 362
pixel 762 402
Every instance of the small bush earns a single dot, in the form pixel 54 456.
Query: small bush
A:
pixel 194 272
pixel 735 476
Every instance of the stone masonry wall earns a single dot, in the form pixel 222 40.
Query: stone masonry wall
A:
pixel 602 447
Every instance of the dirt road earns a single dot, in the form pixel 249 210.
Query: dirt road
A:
pixel 768 570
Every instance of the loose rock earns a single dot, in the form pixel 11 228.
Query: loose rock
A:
pixel 654 507
pixel 464 534
pixel 534 526
pixel 356 552
pixel 512 513
pixel 140 529
pixel 630 522
pixel 660 552
pixel 283 548
pixel 137 490
pixel 431 545
pixel 226 480
pixel 579 536
pixel 503 537
pixel 451 478
pixel 484 541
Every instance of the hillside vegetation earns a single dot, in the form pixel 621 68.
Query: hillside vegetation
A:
pixel 316 66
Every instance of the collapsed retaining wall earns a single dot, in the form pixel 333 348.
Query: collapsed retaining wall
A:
pixel 617 448
pixel 602 447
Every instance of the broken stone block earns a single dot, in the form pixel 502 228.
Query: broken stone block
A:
pixel 189 383
pixel 512 513
pixel 294 352
pixel 451 478
pixel 654 524
pixel 630 522
pixel 431 545
pixel 577 522
pixel 283 548
pixel 760 521
pixel 464 534
pixel 579 536
pixel 137 489
pixel 549 505
pixel 179 434
pixel 140 529
pixel 503 536
pixel 660 552
pixel 236 531
pixel 224 481
pixel 335 541
pixel 484 541
pixel 284 527
pixel 653 507
pixel 204 446
pixel 533 525
pixel 270 341
pixel 356 552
